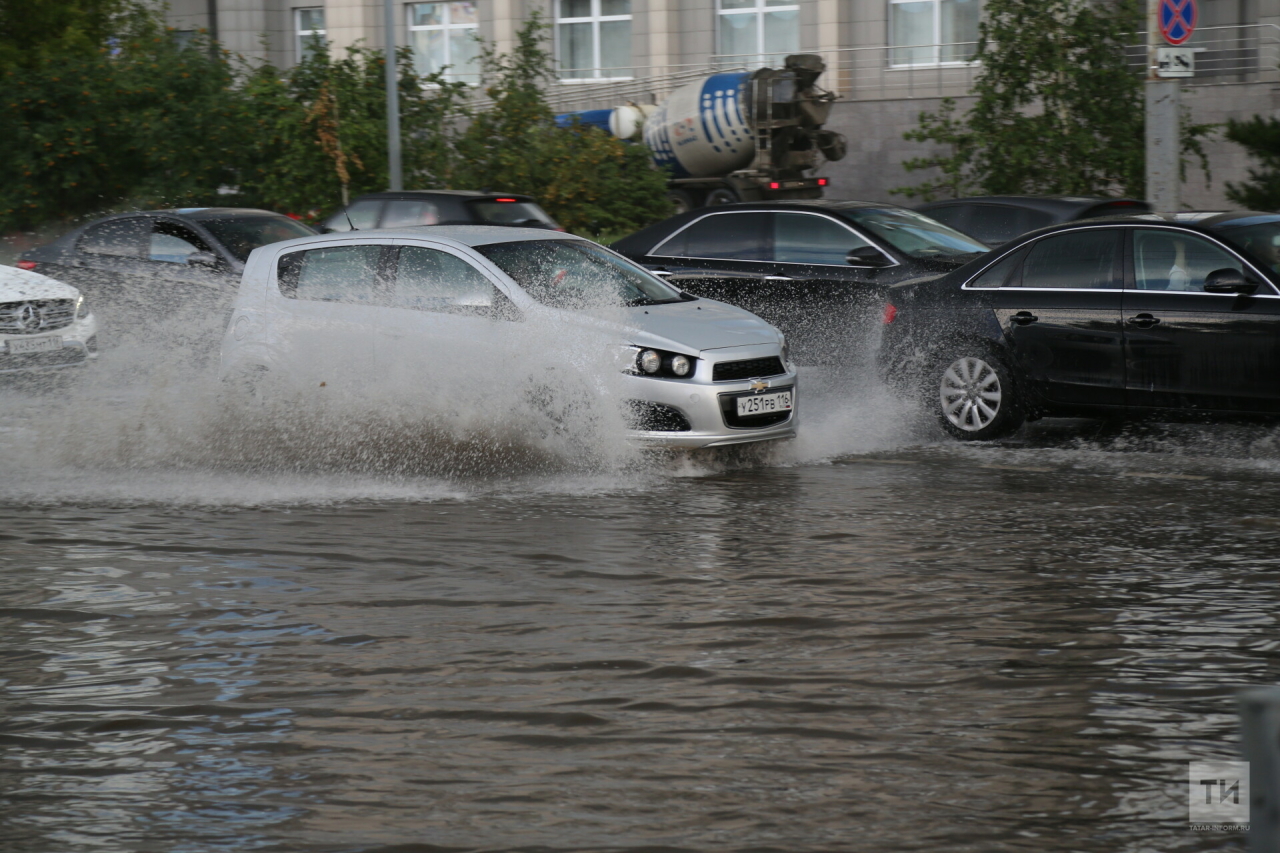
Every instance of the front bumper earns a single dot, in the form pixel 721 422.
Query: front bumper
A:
pixel 706 405
pixel 79 348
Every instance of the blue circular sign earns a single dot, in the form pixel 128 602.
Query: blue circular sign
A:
pixel 1177 20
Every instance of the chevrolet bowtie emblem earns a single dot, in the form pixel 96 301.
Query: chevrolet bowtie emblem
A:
pixel 758 385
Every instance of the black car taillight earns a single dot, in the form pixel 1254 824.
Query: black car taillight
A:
pixel 890 313
pixel 29 266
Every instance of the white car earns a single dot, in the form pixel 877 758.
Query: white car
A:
pixel 44 324
pixel 468 318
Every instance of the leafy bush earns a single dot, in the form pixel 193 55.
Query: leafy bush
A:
pixel 1261 138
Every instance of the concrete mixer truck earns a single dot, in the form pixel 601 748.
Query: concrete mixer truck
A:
pixel 734 136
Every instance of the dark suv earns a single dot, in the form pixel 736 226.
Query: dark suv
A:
pixel 403 208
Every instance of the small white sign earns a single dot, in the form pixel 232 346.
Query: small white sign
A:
pixel 1218 793
pixel 1175 62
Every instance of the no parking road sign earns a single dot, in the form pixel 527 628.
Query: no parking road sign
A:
pixel 1177 19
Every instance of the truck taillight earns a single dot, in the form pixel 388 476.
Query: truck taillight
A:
pixel 775 185
pixel 890 313
pixel 822 182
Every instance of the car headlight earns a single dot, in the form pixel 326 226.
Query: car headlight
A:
pixel 82 308
pixel 649 361
pixel 643 361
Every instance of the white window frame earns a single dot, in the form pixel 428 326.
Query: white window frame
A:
pixel 935 45
pixel 595 19
pixel 446 28
pixel 758 11
pixel 300 35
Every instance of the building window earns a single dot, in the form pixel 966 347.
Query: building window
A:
pixel 444 34
pixel 760 31
pixel 308 31
pixel 593 38
pixel 930 32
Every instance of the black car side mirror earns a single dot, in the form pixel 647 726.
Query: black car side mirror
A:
pixel 203 259
pixel 867 256
pixel 1228 281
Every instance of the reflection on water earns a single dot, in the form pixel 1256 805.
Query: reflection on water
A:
pixel 929 649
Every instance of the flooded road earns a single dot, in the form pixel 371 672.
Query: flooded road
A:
pixel 895 643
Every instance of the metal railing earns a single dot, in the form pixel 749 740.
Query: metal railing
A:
pixel 1245 53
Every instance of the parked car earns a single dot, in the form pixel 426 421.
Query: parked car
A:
pixel 997 219
pixel 415 309
pixel 403 208
pixel 812 268
pixel 158 261
pixel 44 324
pixel 1132 317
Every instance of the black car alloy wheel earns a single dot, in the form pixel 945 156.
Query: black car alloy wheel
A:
pixel 976 397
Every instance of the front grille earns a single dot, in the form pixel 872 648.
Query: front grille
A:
pixel 729 409
pixel 35 360
pixel 654 417
pixel 752 368
pixel 36 316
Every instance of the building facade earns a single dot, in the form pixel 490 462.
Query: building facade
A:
pixel 887 59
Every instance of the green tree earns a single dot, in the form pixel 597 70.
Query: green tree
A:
pixel 588 180
pixel 1260 136
pixel 1058 110
pixel 318 131
pixel 138 116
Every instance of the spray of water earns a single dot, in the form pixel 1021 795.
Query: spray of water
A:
pixel 388 415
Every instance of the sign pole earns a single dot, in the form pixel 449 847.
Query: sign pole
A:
pixel 1169 22
pixel 393 101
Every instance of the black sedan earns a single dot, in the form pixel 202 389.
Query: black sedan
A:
pixel 157 261
pixel 997 219
pixel 1156 317
pixel 811 268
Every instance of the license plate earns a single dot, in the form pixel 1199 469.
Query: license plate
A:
pixel 764 404
pixel 45 344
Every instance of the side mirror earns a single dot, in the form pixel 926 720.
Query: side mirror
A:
pixel 207 260
pixel 1228 281
pixel 867 256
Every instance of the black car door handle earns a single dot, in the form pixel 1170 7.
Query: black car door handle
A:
pixel 1024 318
pixel 662 272
pixel 1143 321
pixel 778 278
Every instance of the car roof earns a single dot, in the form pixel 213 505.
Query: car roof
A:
pixel 470 236
pixel 1205 225
pixel 1059 205
pixel 411 194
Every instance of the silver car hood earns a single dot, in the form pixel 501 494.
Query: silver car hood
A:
pixel 688 327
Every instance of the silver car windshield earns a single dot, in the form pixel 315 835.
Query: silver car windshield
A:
pixel 915 234
pixel 570 274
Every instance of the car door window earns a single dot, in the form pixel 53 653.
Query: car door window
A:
pixel 362 216
pixel 334 274
pixel 173 243
pixel 1173 260
pixel 401 214
pixel 998 275
pixel 1082 260
pixel 802 238
pixel 999 223
pixel 117 237
pixel 731 236
pixel 432 280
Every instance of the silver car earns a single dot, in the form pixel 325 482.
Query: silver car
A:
pixel 449 312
